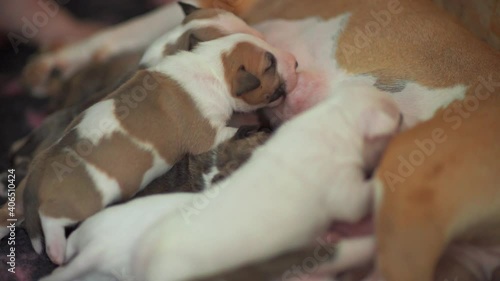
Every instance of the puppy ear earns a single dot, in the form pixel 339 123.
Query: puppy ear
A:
pixel 187 8
pixel 376 123
pixel 245 82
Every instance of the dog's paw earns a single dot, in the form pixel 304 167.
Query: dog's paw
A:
pixel 38 73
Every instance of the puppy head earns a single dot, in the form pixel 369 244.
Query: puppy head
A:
pixel 258 75
pixel 199 25
pixel 378 123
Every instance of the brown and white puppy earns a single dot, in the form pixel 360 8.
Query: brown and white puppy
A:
pixel 99 78
pixel 440 190
pixel 174 27
pixel 83 257
pixel 177 107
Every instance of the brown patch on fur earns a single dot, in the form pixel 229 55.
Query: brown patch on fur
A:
pixel 165 116
pixel 62 194
pixel 184 42
pixel 425 57
pixel 118 148
pixel 248 60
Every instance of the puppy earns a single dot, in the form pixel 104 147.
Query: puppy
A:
pixel 84 257
pixel 310 173
pixel 199 25
pixel 179 27
pixel 180 106
pixel 77 93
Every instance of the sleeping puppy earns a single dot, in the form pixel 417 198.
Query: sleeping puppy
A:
pixel 311 172
pixel 180 106
pixel 77 94
pixel 84 257
pixel 186 26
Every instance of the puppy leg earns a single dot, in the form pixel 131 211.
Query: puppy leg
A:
pixel 55 237
pixel 103 45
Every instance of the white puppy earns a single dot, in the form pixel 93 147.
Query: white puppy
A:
pixel 106 256
pixel 312 172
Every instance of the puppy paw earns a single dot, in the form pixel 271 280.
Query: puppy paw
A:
pixel 38 73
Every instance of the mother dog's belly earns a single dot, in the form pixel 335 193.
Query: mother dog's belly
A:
pixel 315 43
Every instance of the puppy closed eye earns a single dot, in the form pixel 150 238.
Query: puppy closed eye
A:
pixel 271 62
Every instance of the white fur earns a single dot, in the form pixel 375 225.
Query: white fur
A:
pixel 55 237
pixel 226 23
pixel 207 177
pixel 98 122
pixel 102 247
pixel 274 190
pixel 108 187
pixel 202 75
pixel 159 167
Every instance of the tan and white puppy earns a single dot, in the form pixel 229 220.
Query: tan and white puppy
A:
pixel 174 27
pixel 338 140
pixel 198 25
pixel 84 258
pixel 177 107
